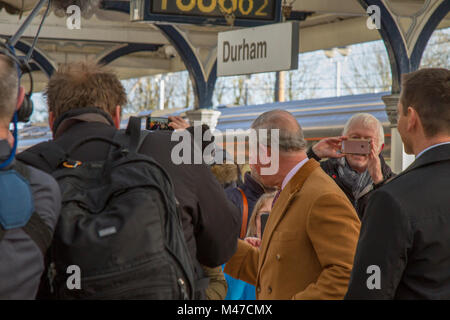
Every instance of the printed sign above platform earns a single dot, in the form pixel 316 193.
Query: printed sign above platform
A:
pixel 261 49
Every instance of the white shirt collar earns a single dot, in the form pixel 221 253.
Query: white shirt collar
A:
pixel 431 147
pixel 292 173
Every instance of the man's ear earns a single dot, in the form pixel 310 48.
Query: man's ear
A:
pixel 20 97
pixel 51 120
pixel 116 117
pixel 412 119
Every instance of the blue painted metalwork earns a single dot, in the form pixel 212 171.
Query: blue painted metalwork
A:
pixel 128 49
pixel 39 59
pixel 431 25
pixel 33 66
pixel 203 87
pixel 393 40
pixel 114 5
pixel 210 85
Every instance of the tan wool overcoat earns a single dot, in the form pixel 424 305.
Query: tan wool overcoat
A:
pixel 308 244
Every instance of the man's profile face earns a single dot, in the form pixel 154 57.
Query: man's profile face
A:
pixel 359 162
pixel 262 159
pixel 266 180
pixel 402 122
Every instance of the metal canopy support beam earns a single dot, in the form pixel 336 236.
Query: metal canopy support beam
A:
pixel 405 37
pixel 405 46
pixel 39 58
pixel 430 26
pixel 203 82
pixel 128 49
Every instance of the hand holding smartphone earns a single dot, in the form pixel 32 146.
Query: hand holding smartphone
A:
pixel 356 146
pixel 157 123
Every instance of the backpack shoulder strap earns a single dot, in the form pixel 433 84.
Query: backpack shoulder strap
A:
pixel 132 136
pixel 244 214
pixel 49 152
pixel 39 232
pixel 21 168
pixel 134 132
pixel 36 228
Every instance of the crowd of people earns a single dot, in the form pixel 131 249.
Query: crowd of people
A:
pixel 103 213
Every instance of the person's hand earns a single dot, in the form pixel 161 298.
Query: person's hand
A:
pixel 329 147
pixel 374 165
pixel 255 242
pixel 177 122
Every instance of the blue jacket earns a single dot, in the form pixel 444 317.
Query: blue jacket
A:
pixel 239 290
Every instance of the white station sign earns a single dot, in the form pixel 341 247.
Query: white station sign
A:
pixel 261 49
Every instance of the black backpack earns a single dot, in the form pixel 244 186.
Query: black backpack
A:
pixel 119 226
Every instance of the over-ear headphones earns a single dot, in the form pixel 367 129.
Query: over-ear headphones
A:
pixel 26 109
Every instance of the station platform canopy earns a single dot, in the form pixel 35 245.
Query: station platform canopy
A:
pixel 144 49
pixel 136 49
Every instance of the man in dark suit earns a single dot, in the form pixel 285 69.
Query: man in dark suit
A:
pixel 211 223
pixel 404 246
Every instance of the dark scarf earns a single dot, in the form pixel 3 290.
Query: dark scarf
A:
pixel 355 181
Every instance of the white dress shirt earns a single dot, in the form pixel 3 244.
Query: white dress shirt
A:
pixel 431 147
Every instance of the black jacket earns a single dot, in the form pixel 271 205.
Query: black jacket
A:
pixel 406 233
pixel 211 223
pixel 332 170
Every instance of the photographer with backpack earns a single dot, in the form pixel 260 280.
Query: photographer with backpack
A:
pixel 123 198
pixel 30 199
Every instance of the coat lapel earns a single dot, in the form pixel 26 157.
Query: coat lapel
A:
pixel 437 154
pixel 283 202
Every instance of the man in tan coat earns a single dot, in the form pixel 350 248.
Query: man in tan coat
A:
pixel 310 238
